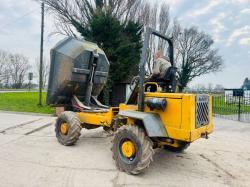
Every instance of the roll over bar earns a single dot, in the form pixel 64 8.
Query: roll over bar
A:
pixel 144 57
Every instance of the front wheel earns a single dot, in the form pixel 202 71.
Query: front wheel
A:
pixel 68 128
pixel 132 149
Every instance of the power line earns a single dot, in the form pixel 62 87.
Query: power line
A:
pixel 18 19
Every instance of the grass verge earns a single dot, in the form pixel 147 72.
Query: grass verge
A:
pixel 24 102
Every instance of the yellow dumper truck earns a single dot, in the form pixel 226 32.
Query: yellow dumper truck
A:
pixel 154 115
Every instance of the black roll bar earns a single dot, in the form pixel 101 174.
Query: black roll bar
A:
pixel 144 57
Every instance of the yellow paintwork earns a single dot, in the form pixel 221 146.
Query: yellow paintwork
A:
pixel 153 83
pixel 128 149
pixel 178 117
pixel 64 128
pixel 123 106
pixel 102 118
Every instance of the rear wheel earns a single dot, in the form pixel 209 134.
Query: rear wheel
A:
pixel 68 128
pixel 132 149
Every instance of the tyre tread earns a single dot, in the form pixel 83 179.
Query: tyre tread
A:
pixel 146 146
pixel 75 126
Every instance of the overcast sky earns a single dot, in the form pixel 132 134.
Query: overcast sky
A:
pixel 227 21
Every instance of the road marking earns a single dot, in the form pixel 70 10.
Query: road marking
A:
pixel 217 166
pixel 39 128
pixel 19 125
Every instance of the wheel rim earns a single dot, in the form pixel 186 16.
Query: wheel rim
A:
pixel 128 149
pixel 64 128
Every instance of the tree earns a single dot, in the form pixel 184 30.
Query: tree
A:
pixel 156 16
pixel 246 84
pixel 45 70
pixel 70 15
pixel 19 66
pixel 199 88
pixel 5 69
pixel 218 88
pixel 3 60
pixel 121 43
pixel 13 69
pixel 210 88
pixel 196 56
pixel 107 24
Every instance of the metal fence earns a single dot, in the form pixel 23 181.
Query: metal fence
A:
pixel 232 107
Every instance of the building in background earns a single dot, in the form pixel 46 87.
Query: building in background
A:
pixel 237 95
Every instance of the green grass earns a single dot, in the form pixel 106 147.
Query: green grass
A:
pixel 24 102
pixel 17 89
pixel 27 102
pixel 223 108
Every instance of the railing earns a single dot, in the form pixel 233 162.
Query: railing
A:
pixel 232 107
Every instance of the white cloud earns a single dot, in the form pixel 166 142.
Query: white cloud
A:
pixel 245 41
pixel 245 11
pixel 206 9
pixel 240 1
pixel 239 33
pixel 20 29
pixel 218 25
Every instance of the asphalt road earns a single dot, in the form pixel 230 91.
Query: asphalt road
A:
pixel 244 117
pixel 31 156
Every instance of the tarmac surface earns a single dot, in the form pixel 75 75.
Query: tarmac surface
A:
pixel 31 156
pixel 244 117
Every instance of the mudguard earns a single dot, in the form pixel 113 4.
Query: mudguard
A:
pixel 151 121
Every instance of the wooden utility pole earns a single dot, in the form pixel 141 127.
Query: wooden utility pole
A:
pixel 41 57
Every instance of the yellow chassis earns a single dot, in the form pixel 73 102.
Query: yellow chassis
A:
pixel 178 118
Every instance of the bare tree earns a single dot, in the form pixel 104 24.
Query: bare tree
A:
pixel 156 16
pixel 5 69
pixel 73 15
pixel 194 53
pixel 163 21
pixel 200 88
pixel 3 60
pixel 219 88
pixel 3 56
pixel 19 65
pixel 196 56
pixel 13 69
pixel 147 16
pixel 45 70
pixel 210 88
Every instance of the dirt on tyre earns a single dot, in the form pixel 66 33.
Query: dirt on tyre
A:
pixel 132 149
pixel 68 128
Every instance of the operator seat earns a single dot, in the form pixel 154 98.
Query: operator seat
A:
pixel 164 73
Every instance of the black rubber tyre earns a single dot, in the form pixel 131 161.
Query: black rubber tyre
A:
pixel 183 146
pixel 74 130
pixel 143 146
